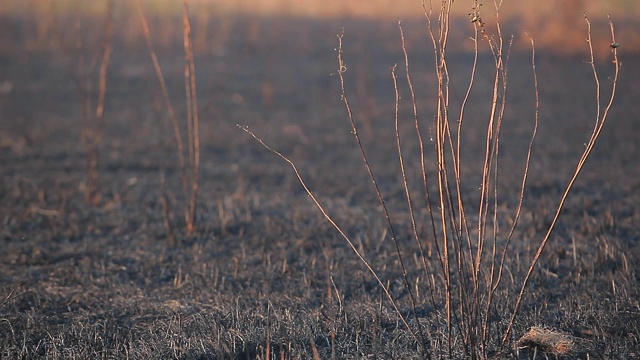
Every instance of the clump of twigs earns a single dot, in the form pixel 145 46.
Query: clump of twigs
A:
pixel 470 253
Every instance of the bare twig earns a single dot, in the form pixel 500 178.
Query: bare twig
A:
pixel 495 282
pixel 13 295
pixel 441 121
pixel 354 130
pixel 423 166
pixel 165 95
pixel 166 212
pixel 189 172
pixel 425 179
pixel 601 118
pixel 353 247
pixel 93 129
pixel 193 123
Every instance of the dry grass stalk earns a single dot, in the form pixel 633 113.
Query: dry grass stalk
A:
pixel 93 124
pixel 461 253
pixel 314 349
pixel 548 341
pixel 193 122
pixel 342 68
pixel 343 234
pixel 166 212
pixel 189 171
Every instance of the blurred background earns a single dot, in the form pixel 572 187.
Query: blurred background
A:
pixel 255 56
pixel 556 24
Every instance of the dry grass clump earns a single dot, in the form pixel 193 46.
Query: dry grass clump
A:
pixel 548 341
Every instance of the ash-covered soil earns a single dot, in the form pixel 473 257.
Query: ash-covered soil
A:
pixel 265 275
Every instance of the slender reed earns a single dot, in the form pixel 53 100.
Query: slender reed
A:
pixel 193 121
pixel 189 170
pixel 93 124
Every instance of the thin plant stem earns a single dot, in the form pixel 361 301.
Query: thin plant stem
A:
pixel 501 266
pixel 420 143
pixel 95 131
pixel 439 49
pixel 166 212
pixel 189 169
pixel 354 129
pixel 193 123
pixel 81 85
pixel 405 183
pixel 601 119
pixel 342 233
pixel 423 173
pixel 167 101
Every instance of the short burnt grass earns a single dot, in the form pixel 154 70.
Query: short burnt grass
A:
pixel 262 274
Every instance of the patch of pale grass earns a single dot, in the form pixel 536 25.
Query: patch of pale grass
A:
pixel 548 341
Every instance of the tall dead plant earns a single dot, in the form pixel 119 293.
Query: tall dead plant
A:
pixel 473 261
pixel 471 252
pixel 93 122
pixel 190 169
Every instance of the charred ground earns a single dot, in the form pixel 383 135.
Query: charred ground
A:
pixel 265 273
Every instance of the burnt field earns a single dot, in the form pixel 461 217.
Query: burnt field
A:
pixel 264 274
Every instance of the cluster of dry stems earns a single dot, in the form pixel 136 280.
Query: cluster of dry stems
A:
pixel 189 169
pixel 471 262
pixel 93 125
